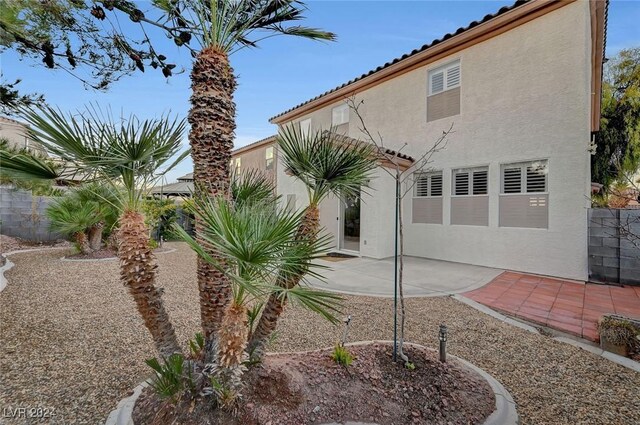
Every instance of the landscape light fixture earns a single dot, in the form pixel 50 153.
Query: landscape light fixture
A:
pixel 442 335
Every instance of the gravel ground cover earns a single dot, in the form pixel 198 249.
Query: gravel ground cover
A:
pixel 72 340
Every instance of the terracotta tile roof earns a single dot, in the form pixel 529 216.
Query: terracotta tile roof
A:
pixel 435 42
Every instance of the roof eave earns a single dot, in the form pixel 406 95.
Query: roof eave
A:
pixel 489 29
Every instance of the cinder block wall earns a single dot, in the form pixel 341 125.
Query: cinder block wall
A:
pixel 613 255
pixel 23 215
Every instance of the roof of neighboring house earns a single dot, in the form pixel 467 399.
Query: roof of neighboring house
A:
pixel 261 142
pixel 186 177
pixel 181 188
pixel 387 157
pixel 438 46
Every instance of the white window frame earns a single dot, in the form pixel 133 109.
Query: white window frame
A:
pixel 428 175
pixel 269 157
pixel 523 177
pixel 444 69
pixel 238 163
pixel 305 127
pixel 340 115
pixel 470 171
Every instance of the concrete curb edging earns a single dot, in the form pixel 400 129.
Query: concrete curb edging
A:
pixel 89 260
pixel 622 361
pixel 505 412
pixel 8 265
pixel 123 413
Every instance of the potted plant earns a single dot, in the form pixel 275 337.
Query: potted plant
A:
pixel 618 334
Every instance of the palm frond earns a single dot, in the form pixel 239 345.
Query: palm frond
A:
pixel 252 186
pixel 326 162
pixel 326 304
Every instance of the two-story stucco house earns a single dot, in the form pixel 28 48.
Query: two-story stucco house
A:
pixel 260 156
pixel 512 187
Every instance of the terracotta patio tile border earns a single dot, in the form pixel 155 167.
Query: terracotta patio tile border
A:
pixel 567 306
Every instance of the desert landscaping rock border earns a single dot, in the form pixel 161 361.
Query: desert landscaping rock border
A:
pixel 90 260
pixel 505 412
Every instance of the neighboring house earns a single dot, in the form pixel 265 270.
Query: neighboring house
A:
pixel 260 156
pixel 511 189
pixel 16 133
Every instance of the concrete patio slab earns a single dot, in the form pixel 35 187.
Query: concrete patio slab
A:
pixel 422 277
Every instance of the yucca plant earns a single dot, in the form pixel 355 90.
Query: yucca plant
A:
pixel 126 154
pixel 326 163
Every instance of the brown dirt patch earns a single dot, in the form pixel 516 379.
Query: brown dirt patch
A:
pixel 310 388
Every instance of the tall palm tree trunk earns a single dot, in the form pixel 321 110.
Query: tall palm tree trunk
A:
pixel 212 119
pixel 138 273
pixel 275 305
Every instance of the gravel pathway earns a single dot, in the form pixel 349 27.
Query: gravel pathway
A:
pixel 72 340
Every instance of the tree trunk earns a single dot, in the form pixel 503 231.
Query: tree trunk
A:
pixel 401 272
pixel 95 236
pixel 138 273
pixel 212 119
pixel 275 305
pixel 83 243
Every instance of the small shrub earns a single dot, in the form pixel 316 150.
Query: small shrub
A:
pixel 410 366
pixel 341 355
pixel 171 378
pixel 196 345
pixel 153 244
pixel 618 331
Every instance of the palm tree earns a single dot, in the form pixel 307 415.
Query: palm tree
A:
pixel 326 163
pixel 84 213
pixel 127 155
pixel 220 28
pixel 255 243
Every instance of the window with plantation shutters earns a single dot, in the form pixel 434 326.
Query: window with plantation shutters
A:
pixel 526 177
pixel 428 184
pixel 269 158
pixel 427 201
pixel 471 181
pixel 524 198
pixel 305 126
pixel 340 115
pixel 470 200
pixel 444 78
pixel 443 98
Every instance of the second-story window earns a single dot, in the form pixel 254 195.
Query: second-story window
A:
pixel 268 155
pixel 444 91
pixel 340 115
pixel 238 163
pixel 305 126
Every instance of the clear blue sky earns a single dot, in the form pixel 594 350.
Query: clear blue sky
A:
pixel 286 71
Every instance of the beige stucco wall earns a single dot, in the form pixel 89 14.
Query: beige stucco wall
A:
pixel 15 133
pixel 525 95
pixel 255 159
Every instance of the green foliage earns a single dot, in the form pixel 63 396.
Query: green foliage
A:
pixel 37 187
pixel 253 314
pixel 160 214
pixel 410 366
pixel 125 153
pixel 196 345
pixel 617 154
pixel 341 355
pixel 172 377
pixel 251 186
pixel 88 35
pixel 326 162
pixel 258 244
pixel 82 208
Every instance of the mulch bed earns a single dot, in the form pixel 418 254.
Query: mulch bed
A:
pixel 310 388
pixel 105 253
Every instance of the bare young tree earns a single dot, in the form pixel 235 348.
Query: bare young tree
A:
pixel 405 179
